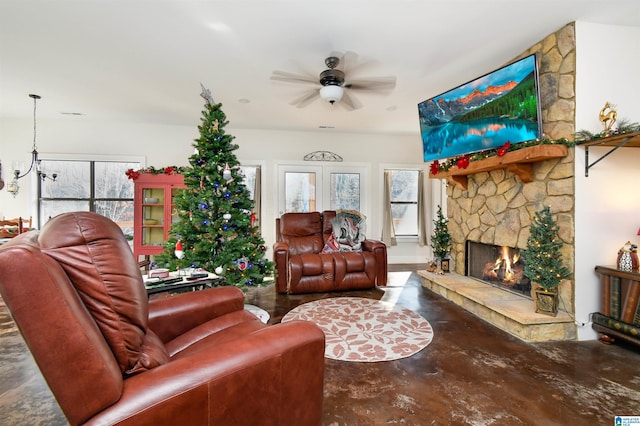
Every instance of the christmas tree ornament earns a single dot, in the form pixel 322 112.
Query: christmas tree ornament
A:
pixel 203 206
pixel 226 174
pixel 215 125
pixel 206 95
pixel 226 216
pixel 178 252
pixel 253 219
pixel 219 270
pixel 243 263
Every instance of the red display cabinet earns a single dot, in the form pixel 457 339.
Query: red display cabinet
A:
pixel 154 211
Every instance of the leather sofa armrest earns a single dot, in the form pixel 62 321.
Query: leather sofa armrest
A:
pixel 281 260
pixel 283 364
pixel 379 250
pixel 169 317
pixel 373 245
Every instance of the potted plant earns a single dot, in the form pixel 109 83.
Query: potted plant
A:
pixel 441 240
pixel 543 261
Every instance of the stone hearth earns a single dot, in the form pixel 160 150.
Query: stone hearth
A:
pixel 508 311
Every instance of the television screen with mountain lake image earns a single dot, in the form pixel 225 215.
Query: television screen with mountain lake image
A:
pixel 485 113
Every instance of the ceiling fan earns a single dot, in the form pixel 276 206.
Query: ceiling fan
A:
pixel 333 85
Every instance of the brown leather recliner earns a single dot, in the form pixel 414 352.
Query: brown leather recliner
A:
pixel 301 266
pixel 110 356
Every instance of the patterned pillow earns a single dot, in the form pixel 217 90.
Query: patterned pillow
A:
pixel 349 227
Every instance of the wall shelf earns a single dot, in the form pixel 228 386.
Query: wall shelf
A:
pixel 519 162
pixel 630 140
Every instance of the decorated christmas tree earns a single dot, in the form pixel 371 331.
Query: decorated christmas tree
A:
pixel 543 260
pixel 441 239
pixel 217 228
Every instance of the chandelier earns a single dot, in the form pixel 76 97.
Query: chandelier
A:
pixel 13 186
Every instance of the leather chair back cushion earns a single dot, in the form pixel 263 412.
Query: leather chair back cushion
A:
pixel 58 330
pixel 328 216
pixel 303 232
pixel 98 260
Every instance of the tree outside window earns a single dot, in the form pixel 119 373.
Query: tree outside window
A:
pixel 404 201
pixel 97 186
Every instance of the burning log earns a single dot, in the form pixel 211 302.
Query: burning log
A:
pixel 489 272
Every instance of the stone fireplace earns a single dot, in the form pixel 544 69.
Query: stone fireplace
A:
pixel 496 207
pixel 498 266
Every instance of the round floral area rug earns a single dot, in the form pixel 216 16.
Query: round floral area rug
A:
pixel 365 330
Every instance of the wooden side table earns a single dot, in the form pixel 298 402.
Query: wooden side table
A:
pixel 619 316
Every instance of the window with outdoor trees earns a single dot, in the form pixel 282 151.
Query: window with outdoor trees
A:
pixel 404 201
pixel 84 185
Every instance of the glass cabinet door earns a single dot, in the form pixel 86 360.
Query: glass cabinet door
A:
pixel 152 216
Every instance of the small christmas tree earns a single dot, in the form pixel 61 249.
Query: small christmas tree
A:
pixel 441 239
pixel 216 230
pixel 543 260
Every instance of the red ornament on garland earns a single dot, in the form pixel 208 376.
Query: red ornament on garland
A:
pixel 435 167
pixel 504 148
pixel 463 162
pixel 132 174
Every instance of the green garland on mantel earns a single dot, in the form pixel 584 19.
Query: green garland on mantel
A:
pixel 624 126
pixel 444 166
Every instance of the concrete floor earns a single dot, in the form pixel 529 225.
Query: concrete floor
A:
pixel 471 374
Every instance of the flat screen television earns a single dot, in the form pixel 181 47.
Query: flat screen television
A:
pixel 485 113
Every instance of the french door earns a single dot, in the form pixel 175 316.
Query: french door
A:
pixel 317 187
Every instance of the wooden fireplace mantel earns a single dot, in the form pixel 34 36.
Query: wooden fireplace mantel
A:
pixel 519 162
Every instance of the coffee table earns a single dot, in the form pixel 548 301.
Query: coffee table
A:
pixel 175 283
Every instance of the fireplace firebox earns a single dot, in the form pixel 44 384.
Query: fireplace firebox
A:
pixel 499 266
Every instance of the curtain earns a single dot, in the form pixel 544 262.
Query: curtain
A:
pixel 423 223
pixel 257 196
pixel 388 230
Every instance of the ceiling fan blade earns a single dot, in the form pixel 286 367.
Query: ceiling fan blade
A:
pixel 306 99
pixel 350 102
pixel 293 78
pixel 372 83
pixel 352 64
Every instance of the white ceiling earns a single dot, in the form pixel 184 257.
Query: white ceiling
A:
pixel 143 60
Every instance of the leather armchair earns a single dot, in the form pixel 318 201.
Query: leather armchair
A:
pixel 110 356
pixel 302 267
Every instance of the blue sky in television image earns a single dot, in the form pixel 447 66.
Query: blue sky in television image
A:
pixel 445 138
pixel 515 72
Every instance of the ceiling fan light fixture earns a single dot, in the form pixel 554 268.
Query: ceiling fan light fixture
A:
pixel 331 93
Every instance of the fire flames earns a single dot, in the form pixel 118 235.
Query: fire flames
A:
pixel 507 269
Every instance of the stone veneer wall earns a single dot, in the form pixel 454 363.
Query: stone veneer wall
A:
pixel 497 208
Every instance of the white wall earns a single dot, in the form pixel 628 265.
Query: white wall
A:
pixel 608 201
pixel 172 145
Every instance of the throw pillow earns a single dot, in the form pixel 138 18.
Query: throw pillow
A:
pixel 349 227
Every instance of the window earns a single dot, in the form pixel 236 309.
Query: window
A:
pixel 345 191
pixel 318 187
pixel 249 174
pixel 404 201
pixel 300 191
pixel 86 185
